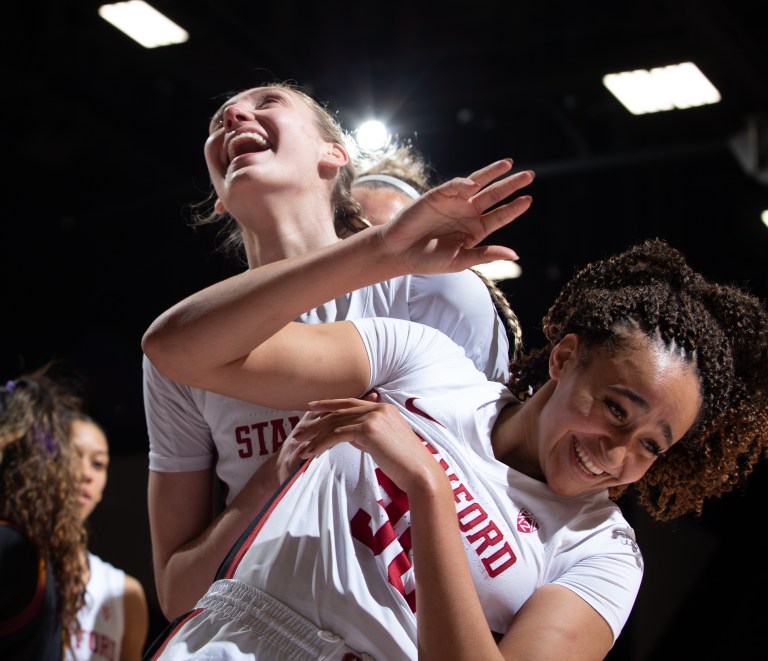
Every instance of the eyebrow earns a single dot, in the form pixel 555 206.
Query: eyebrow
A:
pixel 666 430
pixel 258 93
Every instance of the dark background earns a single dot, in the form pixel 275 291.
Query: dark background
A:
pixel 104 153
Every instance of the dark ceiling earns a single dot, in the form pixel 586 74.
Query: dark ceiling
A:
pixel 106 142
pixel 106 145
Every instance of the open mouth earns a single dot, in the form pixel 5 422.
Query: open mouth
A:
pixel 246 143
pixel 584 461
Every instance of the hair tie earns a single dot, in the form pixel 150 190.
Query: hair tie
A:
pixel 46 441
pixel 10 385
pixel 409 190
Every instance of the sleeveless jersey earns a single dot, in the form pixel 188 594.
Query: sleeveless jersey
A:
pixel 102 619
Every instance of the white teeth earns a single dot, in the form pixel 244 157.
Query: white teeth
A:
pixel 250 136
pixel 585 460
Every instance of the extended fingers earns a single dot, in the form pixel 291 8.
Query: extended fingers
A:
pixel 502 189
pixel 486 175
pixel 504 214
pixel 468 187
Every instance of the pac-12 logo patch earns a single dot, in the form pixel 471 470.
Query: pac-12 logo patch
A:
pixel 526 522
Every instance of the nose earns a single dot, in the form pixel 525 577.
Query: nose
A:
pixel 236 113
pixel 614 449
pixel 85 471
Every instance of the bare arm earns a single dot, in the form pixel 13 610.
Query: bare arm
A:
pixel 207 338
pixel 187 545
pixel 136 621
pixel 180 511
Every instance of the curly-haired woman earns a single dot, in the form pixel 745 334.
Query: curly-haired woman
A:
pixel 484 513
pixel 41 537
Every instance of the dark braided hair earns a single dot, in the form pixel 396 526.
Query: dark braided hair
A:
pixel 721 329
pixel 507 314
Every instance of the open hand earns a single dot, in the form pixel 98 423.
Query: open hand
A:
pixel 440 231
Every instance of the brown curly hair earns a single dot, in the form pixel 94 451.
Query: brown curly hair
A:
pixel 39 479
pixel 721 329
pixel 398 159
pixel 347 213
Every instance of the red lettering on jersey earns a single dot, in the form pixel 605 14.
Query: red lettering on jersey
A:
pixel 395 573
pixel 398 500
pixel 499 561
pixel 490 534
pixel 466 523
pixel 97 644
pixel 279 434
pixel 470 517
pixel 363 532
pixel 460 493
pixel 381 539
pixel 245 441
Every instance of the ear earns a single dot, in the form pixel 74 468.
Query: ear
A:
pixel 565 352
pixel 218 206
pixel 334 156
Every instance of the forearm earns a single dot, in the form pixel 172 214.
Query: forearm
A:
pixel 451 622
pixel 437 234
pixel 186 573
pixel 227 320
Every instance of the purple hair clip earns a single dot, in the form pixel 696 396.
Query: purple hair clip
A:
pixel 44 439
pixel 10 385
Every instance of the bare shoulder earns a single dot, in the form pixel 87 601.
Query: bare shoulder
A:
pixel 134 589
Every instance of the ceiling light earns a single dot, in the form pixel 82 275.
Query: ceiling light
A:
pixel 372 135
pixel 143 23
pixel 663 88
pixel 764 217
pixel 502 269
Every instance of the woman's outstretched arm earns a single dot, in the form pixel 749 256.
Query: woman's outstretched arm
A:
pixel 210 339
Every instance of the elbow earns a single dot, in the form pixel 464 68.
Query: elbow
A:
pixel 152 344
pixel 164 353
pixel 171 605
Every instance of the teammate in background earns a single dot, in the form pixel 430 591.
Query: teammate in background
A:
pixel 281 174
pixel 41 536
pixel 114 620
pixel 390 179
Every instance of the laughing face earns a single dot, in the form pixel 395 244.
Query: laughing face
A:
pixel 270 136
pixel 611 416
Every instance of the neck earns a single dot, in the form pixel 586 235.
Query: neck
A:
pixel 515 435
pixel 266 247
pixel 286 228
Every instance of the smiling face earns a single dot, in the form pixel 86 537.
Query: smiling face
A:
pixel 609 417
pixel 93 452
pixel 269 136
